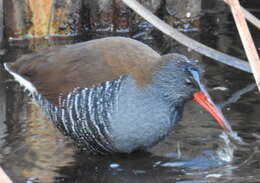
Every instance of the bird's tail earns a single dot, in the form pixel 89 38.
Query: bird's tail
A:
pixel 21 80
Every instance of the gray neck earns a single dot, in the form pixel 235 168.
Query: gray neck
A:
pixel 169 83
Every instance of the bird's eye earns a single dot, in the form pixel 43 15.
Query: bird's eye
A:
pixel 188 81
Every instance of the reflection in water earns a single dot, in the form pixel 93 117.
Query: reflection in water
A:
pixel 3 127
pixel 46 146
pixel 31 148
pixel 33 145
pixel 138 167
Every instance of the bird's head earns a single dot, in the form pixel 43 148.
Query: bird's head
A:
pixel 179 80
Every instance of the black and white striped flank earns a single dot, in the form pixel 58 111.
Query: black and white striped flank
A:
pixel 85 115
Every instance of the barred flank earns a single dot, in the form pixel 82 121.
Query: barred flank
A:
pixel 85 115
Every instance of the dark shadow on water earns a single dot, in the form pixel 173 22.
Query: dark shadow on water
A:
pixel 136 167
pixel 120 168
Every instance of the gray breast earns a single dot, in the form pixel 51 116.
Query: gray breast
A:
pixel 142 117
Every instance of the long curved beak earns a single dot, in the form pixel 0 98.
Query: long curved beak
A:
pixel 202 97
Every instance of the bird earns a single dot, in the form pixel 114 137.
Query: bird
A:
pixel 112 95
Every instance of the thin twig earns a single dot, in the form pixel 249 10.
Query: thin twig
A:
pixel 237 95
pixel 181 38
pixel 3 177
pixel 251 157
pixel 246 38
pixel 251 18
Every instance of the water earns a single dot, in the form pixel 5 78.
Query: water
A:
pixel 32 150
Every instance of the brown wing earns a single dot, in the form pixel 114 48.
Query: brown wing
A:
pixel 60 70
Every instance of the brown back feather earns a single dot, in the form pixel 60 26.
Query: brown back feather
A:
pixel 60 70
